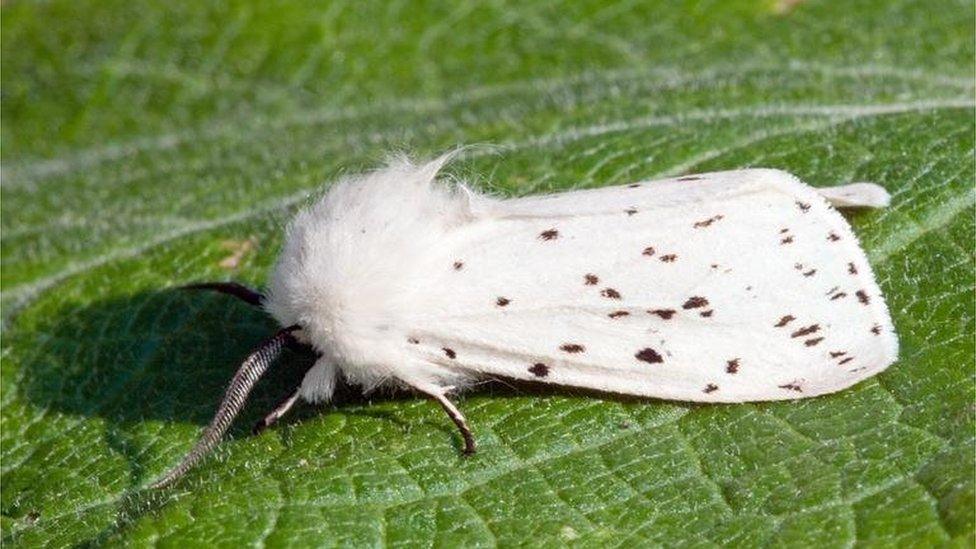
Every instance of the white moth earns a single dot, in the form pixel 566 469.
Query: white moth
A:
pixel 731 286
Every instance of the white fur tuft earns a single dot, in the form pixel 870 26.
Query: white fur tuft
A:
pixel 354 267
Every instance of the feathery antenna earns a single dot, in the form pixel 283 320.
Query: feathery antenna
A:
pixel 240 387
pixel 239 291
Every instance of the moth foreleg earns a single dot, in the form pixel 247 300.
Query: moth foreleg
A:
pixel 280 410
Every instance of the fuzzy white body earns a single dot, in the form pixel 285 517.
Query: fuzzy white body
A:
pixel 725 287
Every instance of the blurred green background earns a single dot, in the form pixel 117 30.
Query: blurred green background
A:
pixel 147 144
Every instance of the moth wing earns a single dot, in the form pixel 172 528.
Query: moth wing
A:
pixel 731 286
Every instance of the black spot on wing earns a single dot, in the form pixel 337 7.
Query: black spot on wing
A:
pixel 812 342
pixel 648 251
pixel 666 314
pixel 804 207
pixel 689 178
pixel 732 366
pixel 539 369
pixel 833 237
pixel 458 265
pixel 851 269
pixel 862 296
pixel 610 293
pixel 784 321
pixel 792 386
pixel 834 293
pixel 806 330
pixel 710 388
pixel 502 301
pixel 649 355
pixel 413 340
pixel 630 211
pixel 449 352
pixel 590 279
pixel 846 360
pixel 669 258
pixel 618 314
pixel 572 348
pixel 695 302
pixel 708 222
pixel 706 314
pixel 550 234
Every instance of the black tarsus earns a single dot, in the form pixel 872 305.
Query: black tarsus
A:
pixel 244 379
pixel 239 291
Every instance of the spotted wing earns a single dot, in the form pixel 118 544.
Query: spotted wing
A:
pixel 732 286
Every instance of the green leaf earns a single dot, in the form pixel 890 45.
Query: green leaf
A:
pixel 146 143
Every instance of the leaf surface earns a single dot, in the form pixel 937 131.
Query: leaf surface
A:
pixel 152 144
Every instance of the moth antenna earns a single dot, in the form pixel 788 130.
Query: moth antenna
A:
pixel 240 387
pixel 239 291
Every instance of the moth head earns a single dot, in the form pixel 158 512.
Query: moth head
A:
pixel 296 297
pixel 314 283
pixel 341 252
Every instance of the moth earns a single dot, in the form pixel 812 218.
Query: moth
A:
pixel 733 286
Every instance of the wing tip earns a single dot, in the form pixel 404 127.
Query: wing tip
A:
pixel 857 195
pixel 851 195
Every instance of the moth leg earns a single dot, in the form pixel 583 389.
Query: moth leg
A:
pixel 456 416
pixel 280 410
